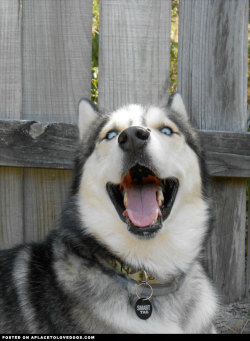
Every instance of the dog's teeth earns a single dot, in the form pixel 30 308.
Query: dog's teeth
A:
pixel 157 214
pixel 160 197
pixel 125 200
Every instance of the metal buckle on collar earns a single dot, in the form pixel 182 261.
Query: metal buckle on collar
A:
pixel 145 282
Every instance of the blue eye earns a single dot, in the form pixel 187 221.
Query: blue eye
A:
pixel 166 131
pixel 110 135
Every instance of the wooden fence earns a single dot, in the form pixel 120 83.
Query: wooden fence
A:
pixel 45 68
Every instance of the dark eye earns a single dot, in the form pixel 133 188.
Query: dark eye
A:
pixel 111 134
pixel 166 131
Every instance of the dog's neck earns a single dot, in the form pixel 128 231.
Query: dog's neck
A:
pixel 128 272
pixel 130 278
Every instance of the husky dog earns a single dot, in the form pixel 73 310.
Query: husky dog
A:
pixel 127 256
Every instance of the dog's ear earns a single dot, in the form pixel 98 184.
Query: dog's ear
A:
pixel 176 104
pixel 87 114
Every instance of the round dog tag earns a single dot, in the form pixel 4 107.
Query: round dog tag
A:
pixel 143 308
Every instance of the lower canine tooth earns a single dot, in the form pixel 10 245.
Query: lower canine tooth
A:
pixel 156 216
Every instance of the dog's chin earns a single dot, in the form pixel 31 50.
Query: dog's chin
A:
pixel 141 187
pixel 147 232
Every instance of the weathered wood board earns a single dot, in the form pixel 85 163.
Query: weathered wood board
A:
pixel 57 47
pixel 56 74
pixel 52 145
pixel 227 153
pixel 134 52
pixel 10 59
pixel 36 144
pixel 46 191
pixel 212 68
pixel 248 245
pixel 11 208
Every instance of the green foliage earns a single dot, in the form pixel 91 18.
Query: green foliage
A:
pixel 174 46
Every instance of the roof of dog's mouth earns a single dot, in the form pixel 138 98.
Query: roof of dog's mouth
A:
pixel 142 200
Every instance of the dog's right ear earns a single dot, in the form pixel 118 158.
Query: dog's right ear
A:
pixel 87 114
pixel 176 104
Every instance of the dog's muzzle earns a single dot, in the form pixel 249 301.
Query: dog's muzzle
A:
pixel 142 199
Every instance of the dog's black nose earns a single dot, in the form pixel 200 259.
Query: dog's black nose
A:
pixel 133 138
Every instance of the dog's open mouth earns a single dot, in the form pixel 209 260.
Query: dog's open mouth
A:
pixel 142 200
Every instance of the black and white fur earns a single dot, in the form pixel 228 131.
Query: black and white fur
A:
pixel 58 285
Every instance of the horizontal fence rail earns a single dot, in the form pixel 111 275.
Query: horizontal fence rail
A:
pixel 53 145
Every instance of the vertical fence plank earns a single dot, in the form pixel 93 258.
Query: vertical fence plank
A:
pixel 212 68
pixel 45 191
pixel 248 245
pixel 56 74
pixel 56 58
pixel 11 208
pixel 134 52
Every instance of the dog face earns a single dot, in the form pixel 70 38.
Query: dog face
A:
pixel 140 191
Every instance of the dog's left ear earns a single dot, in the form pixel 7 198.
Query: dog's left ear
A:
pixel 176 104
pixel 87 115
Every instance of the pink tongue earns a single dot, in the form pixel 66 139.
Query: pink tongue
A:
pixel 142 204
